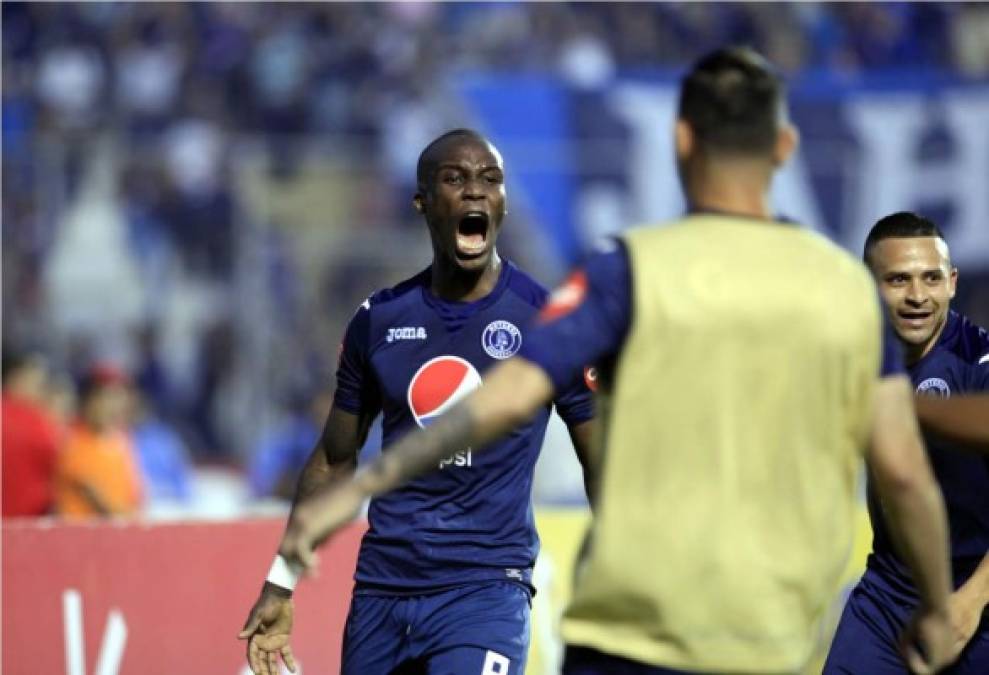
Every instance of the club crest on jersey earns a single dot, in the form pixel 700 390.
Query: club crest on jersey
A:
pixel 934 386
pixel 501 339
pixel 406 333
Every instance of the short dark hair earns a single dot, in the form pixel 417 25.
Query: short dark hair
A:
pixel 899 225
pixel 733 100
pixel 427 158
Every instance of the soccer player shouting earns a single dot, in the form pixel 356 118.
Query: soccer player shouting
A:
pixel 443 581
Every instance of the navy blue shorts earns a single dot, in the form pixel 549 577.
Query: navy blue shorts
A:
pixel 481 629
pixel 587 661
pixel 866 642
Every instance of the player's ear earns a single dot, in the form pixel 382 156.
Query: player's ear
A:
pixel 417 203
pixel 952 282
pixel 684 139
pixel 787 140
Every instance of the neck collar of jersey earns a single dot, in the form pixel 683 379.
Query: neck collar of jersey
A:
pixel 454 312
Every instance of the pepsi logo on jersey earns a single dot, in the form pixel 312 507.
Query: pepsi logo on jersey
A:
pixel 437 386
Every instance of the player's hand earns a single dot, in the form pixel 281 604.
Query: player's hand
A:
pixel 268 628
pixel 966 612
pixel 927 644
pixel 316 518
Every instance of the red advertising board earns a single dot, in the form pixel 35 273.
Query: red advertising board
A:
pixel 143 599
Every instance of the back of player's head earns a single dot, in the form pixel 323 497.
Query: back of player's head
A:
pixel 899 225
pixel 432 153
pixel 733 101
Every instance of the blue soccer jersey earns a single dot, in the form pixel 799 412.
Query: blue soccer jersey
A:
pixel 957 364
pixel 411 356
pixel 881 604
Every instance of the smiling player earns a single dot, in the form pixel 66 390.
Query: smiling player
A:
pixel 946 355
pixel 444 572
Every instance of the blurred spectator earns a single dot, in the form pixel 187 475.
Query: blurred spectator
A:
pixel 71 78
pixel 97 471
pixel 61 400
pixel 281 454
pixel 29 436
pixel 151 64
pixel 970 33
pixel 162 456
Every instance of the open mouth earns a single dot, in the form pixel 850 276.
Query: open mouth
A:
pixel 472 234
pixel 914 319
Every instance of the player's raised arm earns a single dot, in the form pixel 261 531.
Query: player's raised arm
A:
pixel 914 512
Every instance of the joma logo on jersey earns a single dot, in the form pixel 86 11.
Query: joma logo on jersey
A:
pixel 406 333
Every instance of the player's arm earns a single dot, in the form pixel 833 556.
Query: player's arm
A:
pixel 333 460
pixel 576 408
pixel 914 511
pixel 581 435
pixel 961 419
pixel 269 623
pixel 968 604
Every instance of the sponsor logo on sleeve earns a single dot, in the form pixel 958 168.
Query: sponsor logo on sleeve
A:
pixel 591 378
pixel 566 298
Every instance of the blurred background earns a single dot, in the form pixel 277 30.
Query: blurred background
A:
pixel 196 197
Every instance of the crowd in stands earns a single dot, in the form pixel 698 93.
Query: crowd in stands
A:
pixel 163 89
pixel 92 455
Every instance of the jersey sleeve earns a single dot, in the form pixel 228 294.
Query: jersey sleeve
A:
pixel 892 352
pixel 357 390
pixel 585 320
pixel 576 404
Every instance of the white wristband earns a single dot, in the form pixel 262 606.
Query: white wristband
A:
pixel 284 574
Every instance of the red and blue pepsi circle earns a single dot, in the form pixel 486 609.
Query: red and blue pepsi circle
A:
pixel 501 339
pixel 438 385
